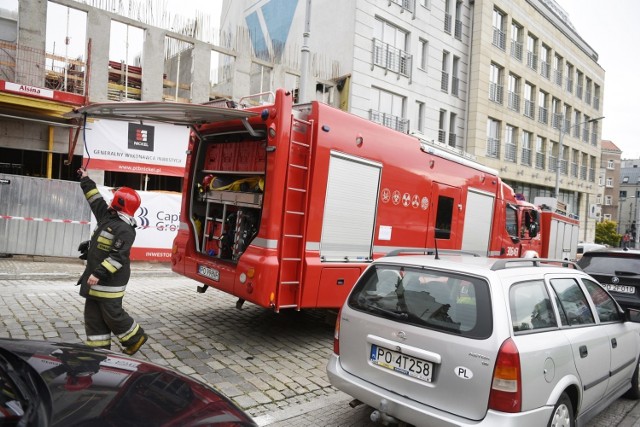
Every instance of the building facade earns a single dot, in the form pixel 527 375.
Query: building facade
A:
pixel 608 198
pixel 629 216
pixel 509 83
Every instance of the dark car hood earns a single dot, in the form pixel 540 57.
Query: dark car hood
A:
pixel 103 388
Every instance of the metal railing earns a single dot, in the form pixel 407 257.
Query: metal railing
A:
pixel 458 30
pixel 510 152
pixel 455 86
pixel 532 61
pixel 495 92
pixel 525 157
pixel 516 49
pixel 391 58
pixel 444 82
pixel 493 147
pixel 447 23
pixel 543 115
pixel 540 160
pixel 499 38
pixel 530 109
pixel 389 120
pixel 514 101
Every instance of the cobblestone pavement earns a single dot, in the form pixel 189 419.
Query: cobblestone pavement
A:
pixel 272 365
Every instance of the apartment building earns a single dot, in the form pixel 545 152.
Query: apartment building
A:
pixel 509 83
pixel 608 198
pixel 629 194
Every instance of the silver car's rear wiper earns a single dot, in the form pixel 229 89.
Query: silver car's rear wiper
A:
pixel 395 314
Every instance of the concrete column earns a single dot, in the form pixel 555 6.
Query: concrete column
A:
pixel 99 34
pixel 152 64
pixel 30 57
pixel 201 64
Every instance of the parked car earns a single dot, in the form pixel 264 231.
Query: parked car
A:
pixel 452 339
pixel 53 384
pixel 586 247
pixel 618 270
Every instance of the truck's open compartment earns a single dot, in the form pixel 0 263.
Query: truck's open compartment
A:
pixel 228 193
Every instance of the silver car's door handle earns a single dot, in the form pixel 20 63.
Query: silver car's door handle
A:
pixel 583 351
pixel 614 343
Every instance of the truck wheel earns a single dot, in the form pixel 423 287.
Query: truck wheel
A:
pixel 634 391
pixel 562 415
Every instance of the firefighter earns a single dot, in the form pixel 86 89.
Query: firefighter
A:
pixel 108 269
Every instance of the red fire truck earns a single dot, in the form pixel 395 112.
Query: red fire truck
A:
pixel 285 205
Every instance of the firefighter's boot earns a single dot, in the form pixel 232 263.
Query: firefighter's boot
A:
pixel 133 348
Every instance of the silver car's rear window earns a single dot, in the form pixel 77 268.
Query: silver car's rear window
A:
pixel 431 299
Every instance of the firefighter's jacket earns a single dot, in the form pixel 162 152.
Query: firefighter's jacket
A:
pixel 108 257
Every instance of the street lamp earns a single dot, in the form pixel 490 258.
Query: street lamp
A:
pixel 557 192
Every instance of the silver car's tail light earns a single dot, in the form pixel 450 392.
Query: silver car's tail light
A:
pixel 336 335
pixel 506 387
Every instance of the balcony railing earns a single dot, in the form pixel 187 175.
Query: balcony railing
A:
pixel 389 120
pixel 553 163
pixel 545 69
pixel 510 152
pixel 458 30
pixel 592 175
pixel 495 92
pixel 596 102
pixel 558 77
pixel 499 38
pixel 447 23
pixel 41 69
pixel 530 109
pixel 408 5
pixel 444 82
pixel 525 158
pixel 442 136
pixel 579 91
pixel 556 120
pixel 539 160
pixel 391 58
pixel 574 169
pixel 453 139
pixel 516 49
pixel 514 101
pixel 587 97
pixel 542 115
pixel 493 147
pixel 532 61
pixel 455 86
pixel 583 172
pixel 594 139
pixel 569 85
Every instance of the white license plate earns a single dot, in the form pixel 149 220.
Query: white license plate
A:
pixel 209 272
pixel 402 363
pixel 622 289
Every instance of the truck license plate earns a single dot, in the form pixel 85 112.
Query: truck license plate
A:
pixel 401 363
pixel 209 272
pixel 622 289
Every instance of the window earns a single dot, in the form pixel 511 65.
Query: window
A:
pixel 499 37
pixel 525 156
pixel 420 116
pixel 557 69
pixel 447 16
pixel 529 100
pixel 452 130
pixel 556 114
pixel 545 66
pixel 495 83
pixel 510 143
pixel 66 45
pixel 608 200
pixel 587 94
pixel 540 152
pixel 596 96
pixel 542 107
pixel 444 82
pixel 458 27
pixel 531 307
pixel 444 217
pixel 514 92
pixel 573 305
pixel 625 180
pixel 424 54
pixel 610 164
pixel 260 78
pixel 568 72
pixel 178 58
pixel 516 41
pixel 455 81
pixel 623 194
pixel 125 54
pixel 493 138
pixel 579 83
pixel 389 45
pixel 388 109
pixel 442 133
pixel 610 182
pixel 532 52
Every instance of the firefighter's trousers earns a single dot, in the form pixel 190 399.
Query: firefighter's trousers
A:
pixel 102 317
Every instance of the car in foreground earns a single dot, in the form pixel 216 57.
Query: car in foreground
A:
pixel 457 340
pixel 618 270
pixel 54 384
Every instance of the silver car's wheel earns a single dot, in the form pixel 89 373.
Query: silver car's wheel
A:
pixel 562 415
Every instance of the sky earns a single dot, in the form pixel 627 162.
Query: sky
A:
pixel 611 28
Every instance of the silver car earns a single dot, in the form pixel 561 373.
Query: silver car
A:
pixel 457 340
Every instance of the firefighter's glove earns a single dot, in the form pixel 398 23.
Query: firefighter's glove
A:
pixel 83 248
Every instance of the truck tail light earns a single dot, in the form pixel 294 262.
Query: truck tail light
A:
pixel 336 335
pixel 506 386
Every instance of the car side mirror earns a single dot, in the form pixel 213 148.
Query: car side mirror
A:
pixel 533 229
pixel 632 315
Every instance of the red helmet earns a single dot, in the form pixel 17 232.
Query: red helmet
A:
pixel 126 200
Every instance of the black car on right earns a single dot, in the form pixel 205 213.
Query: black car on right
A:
pixel 618 270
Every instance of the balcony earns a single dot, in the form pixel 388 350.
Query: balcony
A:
pixel 389 120
pixel 525 157
pixel 495 92
pixel 391 58
pixel 499 38
pixel 510 152
pixel 540 160
pixel 493 147
pixel 408 5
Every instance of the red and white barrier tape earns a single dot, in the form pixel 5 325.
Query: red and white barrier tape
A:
pixel 26 218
